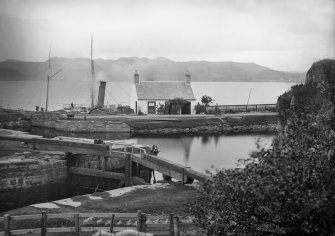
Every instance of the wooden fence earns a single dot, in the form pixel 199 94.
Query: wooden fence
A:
pixel 172 228
pixel 241 108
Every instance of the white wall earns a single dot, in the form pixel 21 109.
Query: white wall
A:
pixel 133 98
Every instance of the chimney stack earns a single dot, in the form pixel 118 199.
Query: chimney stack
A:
pixel 101 95
pixel 136 78
pixel 188 78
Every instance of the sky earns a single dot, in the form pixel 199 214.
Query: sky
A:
pixel 284 35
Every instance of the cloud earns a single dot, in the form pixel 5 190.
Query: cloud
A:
pixel 265 31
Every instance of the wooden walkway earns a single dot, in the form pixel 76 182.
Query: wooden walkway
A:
pixel 130 152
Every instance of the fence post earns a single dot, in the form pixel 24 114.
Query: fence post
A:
pixel 139 221
pixel 144 220
pixel 128 164
pixel 44 224
pixel 176 226
pixel 77 224
pixel 112 223
pixel 6 225
pixel 171 225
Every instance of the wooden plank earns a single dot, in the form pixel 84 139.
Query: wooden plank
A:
pixel 176 226
pixel 127 169
pixel 159 227
pixel 108 215
pixel 98 147
pixel 85 229
pixel 197 175
pixel 116 229
pixel 169 168
pixel 111 224
pixel 139 221
pixel 77 224
pixel 96 173
pixel 171 225
pixel 160 217
pixel 6 224
pixel 26 217
pixel 26 231
pixel 62 230
pixel 72 149
pixel 67 216
pixel 160 233
pixel 44 224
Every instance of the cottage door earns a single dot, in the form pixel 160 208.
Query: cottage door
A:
pixel 151 107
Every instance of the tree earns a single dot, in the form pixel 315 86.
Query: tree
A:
pixel 206 100
pixel 288 189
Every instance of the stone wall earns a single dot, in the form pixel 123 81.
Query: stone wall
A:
pixel 83 125
pixel 27 181
pixel 236 124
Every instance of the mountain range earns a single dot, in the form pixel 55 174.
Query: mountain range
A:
pixel 158 69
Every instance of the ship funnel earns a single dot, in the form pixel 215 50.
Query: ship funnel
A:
pixel 101 95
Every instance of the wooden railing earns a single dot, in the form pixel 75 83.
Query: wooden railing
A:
pixel 172 227
pixel 242 108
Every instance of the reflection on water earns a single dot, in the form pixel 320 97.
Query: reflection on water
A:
pixel 203 152
pixel 199 152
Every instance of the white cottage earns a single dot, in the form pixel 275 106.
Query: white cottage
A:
pixel 147 95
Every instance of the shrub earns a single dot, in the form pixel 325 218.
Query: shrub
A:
pixel 287 189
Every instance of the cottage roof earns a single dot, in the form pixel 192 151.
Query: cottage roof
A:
pixel 163 90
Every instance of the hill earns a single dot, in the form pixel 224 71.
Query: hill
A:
pixel 158 69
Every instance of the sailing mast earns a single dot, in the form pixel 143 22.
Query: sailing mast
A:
pixel 92 75
pixel 48 81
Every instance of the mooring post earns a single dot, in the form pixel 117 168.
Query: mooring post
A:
pixel 139 221
pixel 176 226
pixel 171 225
pixel 6 225
pixel 112 223
pixel 128 164
pixel 44 223
pixel 77 224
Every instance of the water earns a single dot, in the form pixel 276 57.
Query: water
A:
pixel 207 152
pixel 200 152
pixel 27 95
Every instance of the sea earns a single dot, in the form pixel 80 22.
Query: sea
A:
pixel 28 95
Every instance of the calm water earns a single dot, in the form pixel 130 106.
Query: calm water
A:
pixel 27 95
pixel 206 152
pixel 199 152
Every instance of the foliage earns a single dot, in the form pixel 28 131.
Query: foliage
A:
pixel 125 109
pixel 288 189
pixel 175 105
pixel 160 108
pixel 206 100
pixel 178 101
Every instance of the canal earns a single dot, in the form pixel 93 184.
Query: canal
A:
pixel 201 152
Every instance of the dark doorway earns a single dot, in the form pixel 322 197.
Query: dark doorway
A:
pixel 186 109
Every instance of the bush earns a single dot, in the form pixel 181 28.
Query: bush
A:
pixel 288 189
